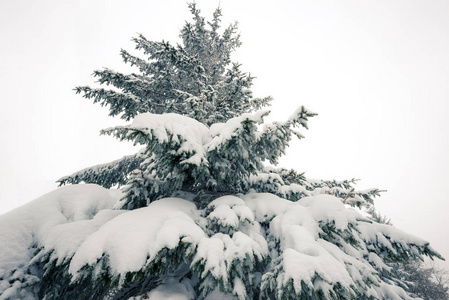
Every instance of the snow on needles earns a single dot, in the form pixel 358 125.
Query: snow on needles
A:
pixel 224 131
pixel 193 134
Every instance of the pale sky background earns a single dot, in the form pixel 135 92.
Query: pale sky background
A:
pixel 376 72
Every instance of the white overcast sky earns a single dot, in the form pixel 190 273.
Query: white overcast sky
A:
pixel 376 72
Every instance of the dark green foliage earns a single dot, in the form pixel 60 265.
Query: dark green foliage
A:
pixel 96 282
pixel 419 279
pixel 116 173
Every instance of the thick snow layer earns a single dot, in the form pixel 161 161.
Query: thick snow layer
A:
pixel 136 235
pixel 59 220
pixel 328 208
pixel 229 211
pixel 176 124
pixel 306 242
pixel 265 206
pixel 303 254
pixel 56 223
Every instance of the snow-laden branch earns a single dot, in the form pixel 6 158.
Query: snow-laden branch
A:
pixel 246 246
pixel 189 156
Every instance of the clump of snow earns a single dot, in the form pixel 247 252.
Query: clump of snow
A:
pixel 57 222
pixel 131 238
pixel 293 188
pixel 229 211
pixel 221 132
pixel 265 206
pixel 158 125
pixel 239 245
pixel 303 257
pixel 191 134
pixel 225 216
pixel 392 292
pixel 330 209
pixel 226 200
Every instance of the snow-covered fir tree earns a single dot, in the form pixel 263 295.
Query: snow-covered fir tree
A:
pixel 199 212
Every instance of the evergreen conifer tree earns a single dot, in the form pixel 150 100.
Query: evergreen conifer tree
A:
pixel 199 213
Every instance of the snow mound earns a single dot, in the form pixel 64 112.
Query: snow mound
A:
pixel 57 223
pixel 59 220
